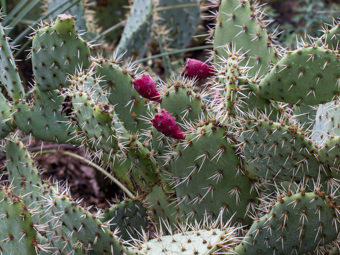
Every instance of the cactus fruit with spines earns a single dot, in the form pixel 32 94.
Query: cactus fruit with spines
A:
pixel 78 11
pixel 189 152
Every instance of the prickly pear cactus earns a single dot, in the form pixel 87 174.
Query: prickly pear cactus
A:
pixel 240 27
pixel 298 223
pixel 17 229
pixel 58 51
pixel 10 78
pixel 6 124
pixel 231 157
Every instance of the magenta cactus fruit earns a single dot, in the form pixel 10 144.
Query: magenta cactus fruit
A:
pixel 166 124
pixel 146 87
pixel 197 69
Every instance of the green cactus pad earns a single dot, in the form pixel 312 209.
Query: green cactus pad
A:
pixel 228 89
pixel 24 177
pixel 181 101
pixel 306 76
pixel 181 23
pixel 238 27
pixel 191 240
pixel 43 118
pixel 80 224
pixel 78 11
pixel 330 154
pixel 275 151
pixel 56 52
pixel 304 116
pixel 9 76
pixel 136 34
pixel 298 223
pixel 129 105
pixel 22 173
pixel 6 124
pixel 17 231
pixel 161 208
pixel 206 174
pixel 331 37
pixel 129 217
pixel 92 130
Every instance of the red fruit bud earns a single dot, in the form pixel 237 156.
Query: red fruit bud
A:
pixel 146 87
pixel 197 69
pixel 166 124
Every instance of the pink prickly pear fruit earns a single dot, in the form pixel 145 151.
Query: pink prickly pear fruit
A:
pixel 195 68
pixel 166 124
pixel 146 87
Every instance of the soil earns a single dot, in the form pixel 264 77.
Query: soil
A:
pixel 84 182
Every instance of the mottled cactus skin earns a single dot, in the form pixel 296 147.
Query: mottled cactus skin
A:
pixel 234 155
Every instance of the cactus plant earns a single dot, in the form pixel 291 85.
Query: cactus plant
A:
pixel 212 144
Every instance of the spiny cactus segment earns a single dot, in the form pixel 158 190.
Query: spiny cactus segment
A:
pixel 306 76
pixel 213 144
pixel 58 51
pixel 182 100
pixel 6 123
pixel 296 223
pixel 10 78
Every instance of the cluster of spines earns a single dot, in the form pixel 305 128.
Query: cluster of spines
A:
pixel 294 223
